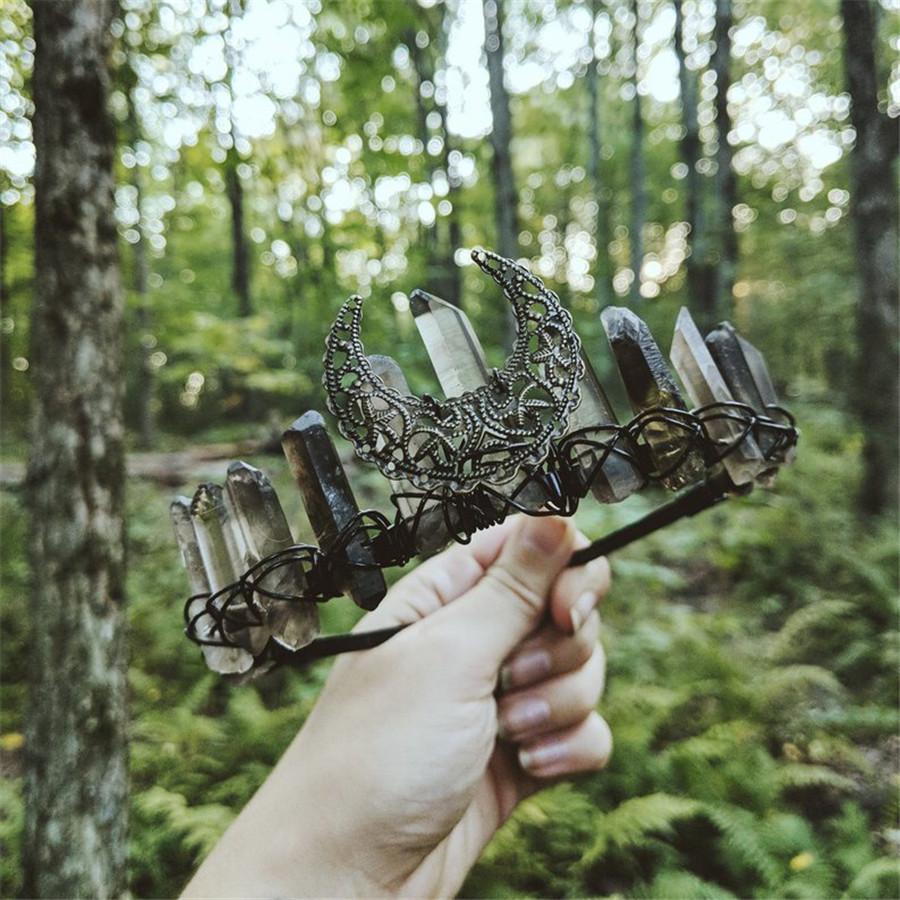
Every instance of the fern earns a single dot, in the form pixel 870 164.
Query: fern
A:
pixel 823 614
pixel 781 681
pixel 631 823
pixel 674 885
pixel 879 879
pixel 741 833
pixel 716 742
pixel 199 826
pixel 801 775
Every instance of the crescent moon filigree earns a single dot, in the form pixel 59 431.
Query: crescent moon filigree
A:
pixel 484 436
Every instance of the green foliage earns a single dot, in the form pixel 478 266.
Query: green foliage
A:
pixel 631 823
pixel 753 651
pixel 753 757
pixel 12 819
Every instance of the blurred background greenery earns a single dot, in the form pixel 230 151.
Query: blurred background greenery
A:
pixel 277 156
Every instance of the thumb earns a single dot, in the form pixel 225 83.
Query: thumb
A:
pixel 511 598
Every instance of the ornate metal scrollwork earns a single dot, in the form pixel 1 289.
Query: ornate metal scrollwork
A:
pixel 484 436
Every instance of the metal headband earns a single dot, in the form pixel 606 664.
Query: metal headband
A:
pixel 534 437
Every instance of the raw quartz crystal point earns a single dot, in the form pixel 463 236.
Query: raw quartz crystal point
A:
pixel 705 384
pixel 451 342
pixel 330 505
pixel 265 530
pixel 458 361
pixel 748 378
pixel 180 510
pixel 430 528
pixel 217 550
pixel 649 383
pixel 617 478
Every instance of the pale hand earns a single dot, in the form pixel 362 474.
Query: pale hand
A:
pixel 398 780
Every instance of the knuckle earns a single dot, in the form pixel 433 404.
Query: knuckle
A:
pixel 508 582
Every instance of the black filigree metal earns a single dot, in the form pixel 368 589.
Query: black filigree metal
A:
pixel 485 436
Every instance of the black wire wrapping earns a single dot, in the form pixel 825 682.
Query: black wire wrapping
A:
pixel 560 483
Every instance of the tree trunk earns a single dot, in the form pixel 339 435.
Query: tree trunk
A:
pixel 874 215
pixel 240 259
pixel 725 184
pixel 452 280
pixel 146 382
pixel 603 270
pixel 638 195
pixel 701 284
pixel 75 784
pixel 240 262
pixel 506 199
pixel 424 73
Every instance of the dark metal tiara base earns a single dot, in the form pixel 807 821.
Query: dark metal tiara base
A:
pixel 226 616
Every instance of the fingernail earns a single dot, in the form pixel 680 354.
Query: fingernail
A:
pixel 543 535
pixel 543 755
pixel 523 715
pixel 525 669
pixel 582 609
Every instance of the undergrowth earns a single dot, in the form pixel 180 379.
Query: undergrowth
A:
pixel 752 695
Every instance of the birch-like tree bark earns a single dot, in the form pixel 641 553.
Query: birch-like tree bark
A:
pixel 725 183
pixel 873 209
pixel 75 781
pixel 603 270
pixel 636 169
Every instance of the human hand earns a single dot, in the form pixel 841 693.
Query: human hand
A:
pixel 397 780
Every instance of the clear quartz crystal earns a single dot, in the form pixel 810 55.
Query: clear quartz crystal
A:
pixel 705 384
pixel 180 510
pixel 617 478
pixel 453 347
pixel 730 352
pixel 264 530
pixel 458 361
pixel 649 384
pixel 207 512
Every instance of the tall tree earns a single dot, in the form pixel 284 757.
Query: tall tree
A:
pixel 603 269
pixel 506 197
pixel 75 785
pixel 506 202
pixel 442 270
pixel 451 281
pixel 700 273
pixel 874 215
pixel 725 183
pixel 234 187
pixel 637 172
pixel 424 83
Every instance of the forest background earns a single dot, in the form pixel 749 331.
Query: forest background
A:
pixel 271 158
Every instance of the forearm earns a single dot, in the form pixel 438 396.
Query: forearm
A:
pixel 279 845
